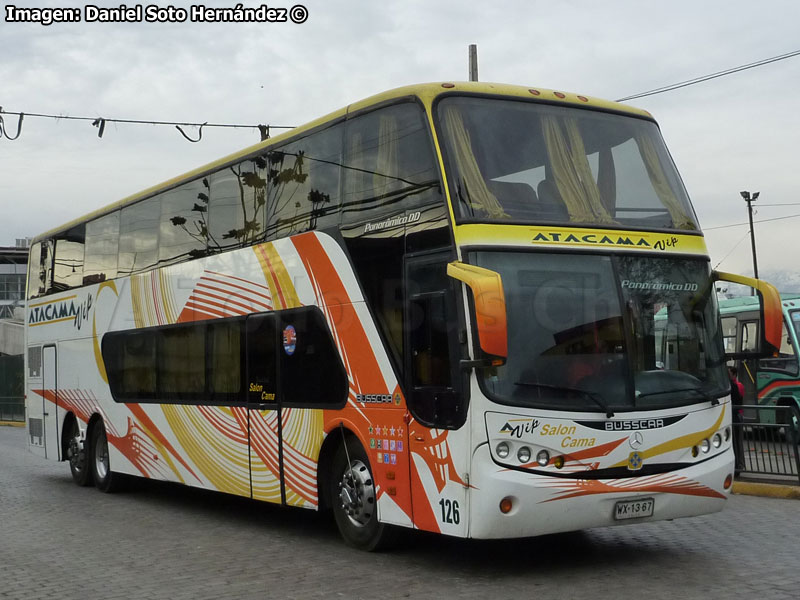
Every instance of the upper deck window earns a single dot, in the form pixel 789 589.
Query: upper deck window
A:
pixel 528 162
pixel 68 262
pixel 303 184
pixel 389 164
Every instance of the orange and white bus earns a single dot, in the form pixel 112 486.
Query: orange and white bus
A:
pixel 432 309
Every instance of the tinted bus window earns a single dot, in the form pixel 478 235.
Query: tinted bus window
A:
pixel 262 382
pixel 181 362
pixel 35 282
pixel 237 198
pixel 191 363
pixel 304 184
pixel 130 359
pixel 183 231
pixel 311 368
pixel 389 165
pixel 102 247
pixel 224 347
pixel 68 263
pixel 138 236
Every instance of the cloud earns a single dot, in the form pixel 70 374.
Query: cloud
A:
pixel 733 133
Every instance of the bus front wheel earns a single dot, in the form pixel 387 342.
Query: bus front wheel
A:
pixel 78 454
pixel 354 500
pixel 104 479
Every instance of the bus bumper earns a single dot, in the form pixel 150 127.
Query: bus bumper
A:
pixel 542 505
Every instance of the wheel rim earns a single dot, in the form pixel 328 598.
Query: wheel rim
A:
pixel 101 456
pixel 357 494
pixel 75 450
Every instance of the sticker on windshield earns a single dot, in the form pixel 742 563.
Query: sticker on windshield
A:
pixel 659 286
pixel 289 340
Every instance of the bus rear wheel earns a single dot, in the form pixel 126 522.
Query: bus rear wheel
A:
pixel 78 454
pixel 354 499
pixel 104 479
pixel 786 414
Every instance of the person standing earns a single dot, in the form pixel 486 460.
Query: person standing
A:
pixel 737 399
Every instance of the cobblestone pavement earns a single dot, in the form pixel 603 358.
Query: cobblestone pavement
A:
pixel 164 541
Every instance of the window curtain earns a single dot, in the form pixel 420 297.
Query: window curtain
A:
pixel 571 171
pixel 658 179
pixel 181 361
pixel 354 178
pixel 386 168
pixel 225 371
pixel 478 195
pixel 607 180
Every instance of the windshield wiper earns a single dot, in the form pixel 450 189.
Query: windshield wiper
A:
pixel 594 396
pixel 705 395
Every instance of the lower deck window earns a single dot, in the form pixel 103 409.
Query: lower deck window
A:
pixel 222 361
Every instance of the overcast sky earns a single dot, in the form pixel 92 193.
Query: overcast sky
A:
pixel 735 133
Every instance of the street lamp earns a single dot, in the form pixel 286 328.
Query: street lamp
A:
pixel 750 199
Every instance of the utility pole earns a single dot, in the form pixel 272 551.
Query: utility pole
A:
pixel 473 62
pixel 750 199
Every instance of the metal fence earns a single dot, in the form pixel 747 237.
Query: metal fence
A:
pixel 12 408
pixel 766 443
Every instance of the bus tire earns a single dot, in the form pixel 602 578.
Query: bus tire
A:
pixel 787 416
pixel 105 479
pixel 353 498
pixel 77 451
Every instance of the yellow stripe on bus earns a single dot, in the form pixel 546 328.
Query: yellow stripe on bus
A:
pixel 579 237
pixel 72 318
pixel 685 441
pixel 53 301
pixel 280 284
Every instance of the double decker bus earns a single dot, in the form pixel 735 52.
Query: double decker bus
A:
pixel 771 381
pixel 432 309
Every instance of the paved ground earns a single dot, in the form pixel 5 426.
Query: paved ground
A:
pixel 161 541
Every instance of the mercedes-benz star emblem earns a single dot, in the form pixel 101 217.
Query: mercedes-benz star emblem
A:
pixel 636 439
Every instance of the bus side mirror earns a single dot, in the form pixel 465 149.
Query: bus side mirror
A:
pixel 771 314
pixel 490 308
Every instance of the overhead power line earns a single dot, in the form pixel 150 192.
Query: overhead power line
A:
pixel 744 237
pixel 743 224
pixel 100 123
pixel 688 82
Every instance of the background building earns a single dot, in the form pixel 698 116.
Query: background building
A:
pixel 13 268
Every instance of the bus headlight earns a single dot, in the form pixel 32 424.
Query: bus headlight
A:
pixel 705 446
pixel 716 441
pixel 502 450
pixel 543 458
pixel 524 454
pixel 727 433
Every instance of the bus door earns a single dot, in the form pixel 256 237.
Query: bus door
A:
pixel 748 369
pixel 434 392
pixel 49 402
pixel 35 401
pixel 263 408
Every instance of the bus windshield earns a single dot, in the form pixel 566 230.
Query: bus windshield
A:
pixel 531 162
pixel 795 315
pixel 592 332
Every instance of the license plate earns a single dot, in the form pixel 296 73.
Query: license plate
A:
pixel 634 509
